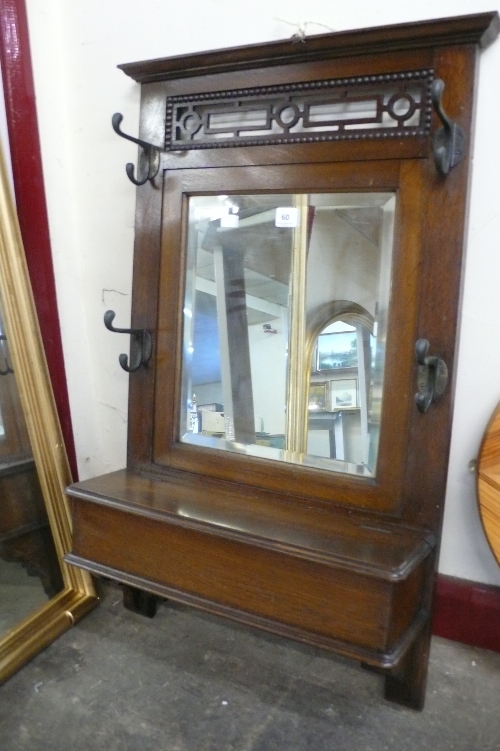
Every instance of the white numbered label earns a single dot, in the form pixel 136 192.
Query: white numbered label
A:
pixel 287 217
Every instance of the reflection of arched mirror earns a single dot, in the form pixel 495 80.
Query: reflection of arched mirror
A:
pixel 340 343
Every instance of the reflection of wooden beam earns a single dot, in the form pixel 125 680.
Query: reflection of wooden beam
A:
pixel 266 247
pixel 234 345
pixel 252 302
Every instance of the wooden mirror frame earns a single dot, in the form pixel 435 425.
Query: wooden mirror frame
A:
pixel 39 629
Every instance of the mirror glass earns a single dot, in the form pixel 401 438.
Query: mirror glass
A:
pixel 285 318
pixel 29 569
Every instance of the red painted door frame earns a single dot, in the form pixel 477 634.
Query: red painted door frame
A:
pixel 29 189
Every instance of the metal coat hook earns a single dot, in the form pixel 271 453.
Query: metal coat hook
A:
pixel 8 370
pixel 449 141
pixel 432 376
pixel 149 158
pixel 143 341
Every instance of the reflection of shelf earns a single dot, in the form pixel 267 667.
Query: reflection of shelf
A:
pixel 275 441
pixel 332 411
pixel 335 371
pixel 323 417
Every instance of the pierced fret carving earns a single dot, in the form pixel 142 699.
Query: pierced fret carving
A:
pixel 392 105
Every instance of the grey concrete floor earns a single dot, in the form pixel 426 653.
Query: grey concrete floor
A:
pixel 186 681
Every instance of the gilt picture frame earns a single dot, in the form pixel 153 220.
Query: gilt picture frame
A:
pixel 318 396
pixel 78 596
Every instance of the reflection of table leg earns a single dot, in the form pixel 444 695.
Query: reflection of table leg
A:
pixel 338 430
pixel 34 549
pixel 331 434
pixel 25 534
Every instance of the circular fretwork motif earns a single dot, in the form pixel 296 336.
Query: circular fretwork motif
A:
pixel 401 106
pixel 287 115
pixel 191 122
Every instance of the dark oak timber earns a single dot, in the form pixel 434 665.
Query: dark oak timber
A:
pixel 344 562
pixel 139 601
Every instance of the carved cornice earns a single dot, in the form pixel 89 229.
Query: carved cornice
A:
pixel 480 29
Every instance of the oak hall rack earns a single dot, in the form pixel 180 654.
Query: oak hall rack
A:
pixel 299 234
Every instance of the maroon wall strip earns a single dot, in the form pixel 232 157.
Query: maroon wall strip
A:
pixel 468 612
pixel 30 197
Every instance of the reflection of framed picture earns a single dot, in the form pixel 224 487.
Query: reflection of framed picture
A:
pixel 344 393
pixel 318 396
pixel 337 350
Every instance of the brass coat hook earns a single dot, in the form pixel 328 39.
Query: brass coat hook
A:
pixel 449 141
pixel 142 338
pixel 149 158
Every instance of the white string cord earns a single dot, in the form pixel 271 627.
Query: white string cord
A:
pixel 301 27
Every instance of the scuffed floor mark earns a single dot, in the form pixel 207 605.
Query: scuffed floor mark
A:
pixel 259 729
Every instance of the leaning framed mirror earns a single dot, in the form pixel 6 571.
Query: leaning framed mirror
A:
pixel 41 596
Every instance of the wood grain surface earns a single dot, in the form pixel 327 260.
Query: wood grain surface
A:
pixel 488 483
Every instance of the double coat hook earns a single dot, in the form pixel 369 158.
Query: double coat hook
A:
pixel 8 369
pixel 449 141
pixel 142 338
pixel 149 159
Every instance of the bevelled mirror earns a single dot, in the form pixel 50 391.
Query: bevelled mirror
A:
pixel 40 595
pixel 285 317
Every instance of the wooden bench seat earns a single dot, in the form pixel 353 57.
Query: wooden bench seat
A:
pixel 338 580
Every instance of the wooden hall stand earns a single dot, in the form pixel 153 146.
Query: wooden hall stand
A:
pixel 334 554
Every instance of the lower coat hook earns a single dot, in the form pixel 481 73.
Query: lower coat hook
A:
pixel 432 376
pixel 143 341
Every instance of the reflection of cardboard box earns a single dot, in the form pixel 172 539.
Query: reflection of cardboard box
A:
pixel 212 422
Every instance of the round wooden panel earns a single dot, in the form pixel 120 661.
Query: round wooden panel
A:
pixel 488 483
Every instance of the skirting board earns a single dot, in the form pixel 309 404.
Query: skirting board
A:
pixel 468 612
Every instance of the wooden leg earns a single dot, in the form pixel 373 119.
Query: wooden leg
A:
pixel 139 601
pixel 406 684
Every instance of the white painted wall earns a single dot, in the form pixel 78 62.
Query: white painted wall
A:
pixel 4 135
pixel 268 363
pixel 76 46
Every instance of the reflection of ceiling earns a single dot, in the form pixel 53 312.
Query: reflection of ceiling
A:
pixel 367 220
pixel 256 284
pixel 266 249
